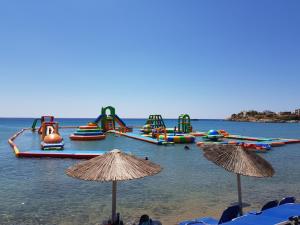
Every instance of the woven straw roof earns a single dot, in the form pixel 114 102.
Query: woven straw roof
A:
pixel 113 166
pixel 238 160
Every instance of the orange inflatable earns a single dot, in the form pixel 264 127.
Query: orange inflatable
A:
pixel 52 139
pixel 223 132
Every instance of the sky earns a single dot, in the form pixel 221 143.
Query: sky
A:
pixel 207 58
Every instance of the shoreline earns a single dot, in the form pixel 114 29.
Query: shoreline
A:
pixel 263 121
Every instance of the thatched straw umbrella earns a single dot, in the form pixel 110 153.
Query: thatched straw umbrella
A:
pixel 239 161
pixel 113 166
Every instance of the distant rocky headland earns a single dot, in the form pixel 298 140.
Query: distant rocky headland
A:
pixel 267 116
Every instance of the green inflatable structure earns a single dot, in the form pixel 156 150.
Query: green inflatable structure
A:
pixel 108 120
pixel 184 123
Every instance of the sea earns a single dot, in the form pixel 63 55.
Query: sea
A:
pixel 37 190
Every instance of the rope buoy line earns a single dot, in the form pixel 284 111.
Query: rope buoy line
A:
pixel 11 141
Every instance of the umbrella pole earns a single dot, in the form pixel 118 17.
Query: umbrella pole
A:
pixel 114 200
pixel 240 193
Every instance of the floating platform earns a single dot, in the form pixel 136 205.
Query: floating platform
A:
pixel 89 132
pixel 74 154
pixel 52 146
pixel 87 138
pixel 91 127
pixel 274 142
pixel 140 137
pixel 198 134
pixel 258 144
pixel 246 138
pixel 288 141
pixel 256 147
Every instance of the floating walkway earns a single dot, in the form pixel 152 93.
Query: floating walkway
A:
pixel 140 137
pixel 256 147
pixel 246 138
pixel 258 144
pixel 198 134
pixel 75 154
pixel 271 141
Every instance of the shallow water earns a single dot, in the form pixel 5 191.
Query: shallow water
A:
pixel 37 191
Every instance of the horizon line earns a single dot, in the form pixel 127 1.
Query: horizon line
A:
pixel 95 118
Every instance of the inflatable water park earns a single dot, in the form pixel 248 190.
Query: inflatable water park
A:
pixel 153 131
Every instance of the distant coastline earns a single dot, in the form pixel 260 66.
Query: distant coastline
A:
pixel 266 117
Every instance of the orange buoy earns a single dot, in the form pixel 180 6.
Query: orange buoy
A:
pixel 53 139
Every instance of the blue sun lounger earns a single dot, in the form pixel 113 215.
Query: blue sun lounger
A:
pixel 283 211
pixel 290 199
pixel 270 216
pixel 255 220
pixel 228 214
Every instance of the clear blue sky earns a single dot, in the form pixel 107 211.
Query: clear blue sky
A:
pixel 203 57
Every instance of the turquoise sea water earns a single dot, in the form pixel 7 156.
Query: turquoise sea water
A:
pixel 37 191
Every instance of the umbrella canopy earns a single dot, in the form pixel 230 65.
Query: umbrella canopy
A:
pixel 240 161
pixel 113 166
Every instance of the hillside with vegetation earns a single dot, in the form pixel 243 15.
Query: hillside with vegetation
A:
pixel 265 116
